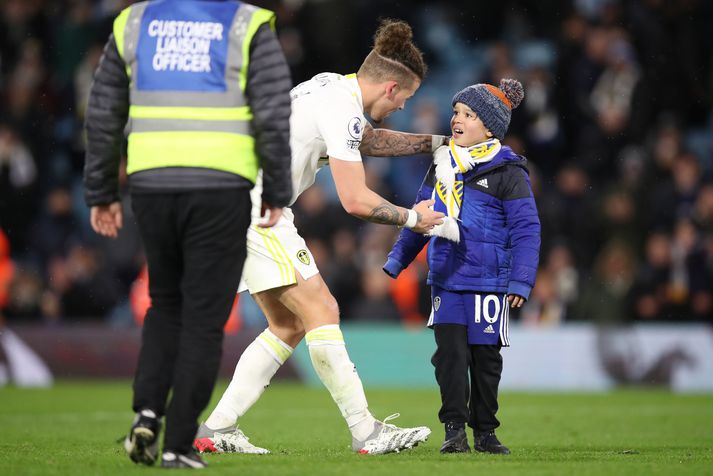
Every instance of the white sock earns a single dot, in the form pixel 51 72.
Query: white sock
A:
pixel 253 373
pixel 337 373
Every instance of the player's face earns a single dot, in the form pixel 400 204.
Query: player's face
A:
pixel 466 126
pixel 394 99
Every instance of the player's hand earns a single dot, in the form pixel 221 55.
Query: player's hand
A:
pixel 107 220
pixel 515 300
pixel 270 215
pixel 427 218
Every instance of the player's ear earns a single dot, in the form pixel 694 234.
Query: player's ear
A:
pixel 488 133
pixel 391 88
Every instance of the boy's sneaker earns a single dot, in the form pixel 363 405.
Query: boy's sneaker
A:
pixel 190 460
pixel 141 444
pixel 226 440
pixel 456 439
pixel 487 442
pixel 388 438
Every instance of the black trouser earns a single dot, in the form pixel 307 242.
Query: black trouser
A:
pixel 195 244
pixel 453 359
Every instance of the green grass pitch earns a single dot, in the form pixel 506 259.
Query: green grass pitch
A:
pixel 72 429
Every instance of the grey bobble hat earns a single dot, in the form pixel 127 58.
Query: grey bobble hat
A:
pixel 493 105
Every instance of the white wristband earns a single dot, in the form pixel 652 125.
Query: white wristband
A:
pixel 437 141
pixel 412 219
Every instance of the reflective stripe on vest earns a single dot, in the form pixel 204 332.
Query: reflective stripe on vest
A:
pixel 209 129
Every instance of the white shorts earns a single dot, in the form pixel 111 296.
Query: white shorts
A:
pixel 274 256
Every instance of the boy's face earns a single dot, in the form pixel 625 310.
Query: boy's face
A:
pixel 466 126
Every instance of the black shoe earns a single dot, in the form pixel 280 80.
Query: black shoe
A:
pixel 190 460
pixel 456 439
pixel 487 442
pixel 141 444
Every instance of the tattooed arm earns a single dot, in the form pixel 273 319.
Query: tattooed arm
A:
pixel 360 201
pixel 388 143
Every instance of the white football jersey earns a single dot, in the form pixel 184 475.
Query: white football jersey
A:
pixel 327 121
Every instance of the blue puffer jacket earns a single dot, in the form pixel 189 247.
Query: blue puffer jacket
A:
pixel 499 228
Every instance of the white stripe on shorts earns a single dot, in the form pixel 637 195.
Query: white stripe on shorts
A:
pixel 504 338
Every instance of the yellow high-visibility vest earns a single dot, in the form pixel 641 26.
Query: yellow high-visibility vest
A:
pixel 177 126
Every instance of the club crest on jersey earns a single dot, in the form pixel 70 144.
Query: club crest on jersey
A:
pixel 355 127
pixel 303 256
pixel 436 302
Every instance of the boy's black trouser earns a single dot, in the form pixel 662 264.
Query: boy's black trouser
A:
pixel 453 359
pixel 195 244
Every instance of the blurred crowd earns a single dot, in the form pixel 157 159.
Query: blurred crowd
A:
pixel 617 126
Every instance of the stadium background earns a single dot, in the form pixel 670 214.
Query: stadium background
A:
pixel 616 123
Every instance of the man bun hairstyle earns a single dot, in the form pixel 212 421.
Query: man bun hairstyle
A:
pixel 394 55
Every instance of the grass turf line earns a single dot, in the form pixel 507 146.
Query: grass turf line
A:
pixel 72 429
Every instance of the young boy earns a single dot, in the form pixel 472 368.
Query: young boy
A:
pixel 482 259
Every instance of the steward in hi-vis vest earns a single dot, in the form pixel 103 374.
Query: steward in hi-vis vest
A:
pixel 179 79
pixel 200 90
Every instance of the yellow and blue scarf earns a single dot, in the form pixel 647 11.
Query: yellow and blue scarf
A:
pixel 452 161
